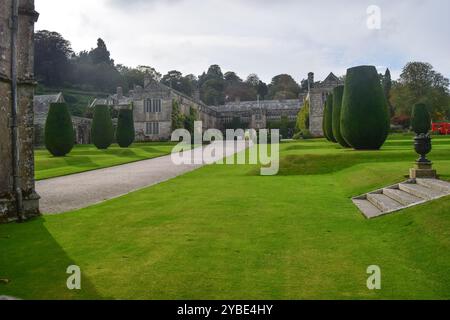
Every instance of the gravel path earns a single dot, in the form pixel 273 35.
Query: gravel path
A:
pixel 81 190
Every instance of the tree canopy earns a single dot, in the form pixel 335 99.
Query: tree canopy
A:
pixel 283 86
pixel 420 83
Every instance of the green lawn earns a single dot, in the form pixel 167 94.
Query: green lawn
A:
pixel 224 232
pixel 88 157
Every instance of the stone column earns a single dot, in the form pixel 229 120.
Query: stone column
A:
pixel 316 108
pixel 25 92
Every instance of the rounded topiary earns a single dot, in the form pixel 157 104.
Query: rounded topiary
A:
pixel 364 114
pixel 59 135
pixel 421 119
pixel 102 132
pixel 328 119
pixel 125 128
pixel 338 93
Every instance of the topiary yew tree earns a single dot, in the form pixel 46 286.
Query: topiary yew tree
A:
pixel 328 119
pixel 102 133
pixel 59 135
pixel 364 114
pixel 421 119
pixel 338 93
pixel 125 128
pixel 324 130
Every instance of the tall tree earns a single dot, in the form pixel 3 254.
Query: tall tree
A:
pixel 101 53
pixel 387 86
pixel 52 53
pixel 232 77
pixel 212 86
pixel 260 87
pixel 420 77
pixel 419 82
pixel 283 86
pixel 174 79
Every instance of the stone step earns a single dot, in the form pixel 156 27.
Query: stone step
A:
pixel 383 202
pixel 367 208
pixel 420 191
pixel 435 184
pixel 402 197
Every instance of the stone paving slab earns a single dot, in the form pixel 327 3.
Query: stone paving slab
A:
pixel 401 196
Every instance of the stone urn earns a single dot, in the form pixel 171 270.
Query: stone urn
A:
pixel 422 145
pixel 423 167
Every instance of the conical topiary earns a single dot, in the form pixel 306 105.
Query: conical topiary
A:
pixel 328 119
pixel 125 128
pixel 421 119
pixel 324 130
pixel 102 128
pixel 338 93
pixel 59 134
pixel 364 114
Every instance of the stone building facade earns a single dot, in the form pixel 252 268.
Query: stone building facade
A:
pixel 18 199
pixel 258 114
pixel 152 106
pixel 81 126
pixel 317 96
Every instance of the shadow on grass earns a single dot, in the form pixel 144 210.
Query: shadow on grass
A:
pixel 34 265
pixel 311 147
pixel 79 161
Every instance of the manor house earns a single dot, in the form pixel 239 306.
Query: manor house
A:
pixel 152 106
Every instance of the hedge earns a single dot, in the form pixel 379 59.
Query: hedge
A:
pixel 338 93
pixel 328 119
pixel 102 132
pixel 364 115
pixel 421 119
pixel 59 134
pixel 125 132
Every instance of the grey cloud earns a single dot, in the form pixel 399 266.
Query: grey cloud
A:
pixel 266 37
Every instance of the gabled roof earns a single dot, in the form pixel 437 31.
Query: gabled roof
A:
pixel 41 103
pixel 163 86
pixel 100 101
pixel 331 78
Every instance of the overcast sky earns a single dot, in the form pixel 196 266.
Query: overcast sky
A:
pixel 256 36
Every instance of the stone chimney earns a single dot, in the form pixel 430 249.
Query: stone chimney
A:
pixel 119 93
pixel 197 95
pixel 147 79
pixel 310 80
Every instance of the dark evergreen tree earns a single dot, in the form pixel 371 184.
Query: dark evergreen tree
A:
pixel 102 128
pixel 338 93
pixel 364 115
pixel 421 119
pixel 328 119
pixel 51 53
pixel 387 86
pixel 125 132
pixel 59 134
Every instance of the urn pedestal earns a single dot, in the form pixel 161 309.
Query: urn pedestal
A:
pixel 423 167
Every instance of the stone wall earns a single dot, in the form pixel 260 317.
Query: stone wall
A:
pixel 317 96
pixel 81 126
pixel 317 105
pixel 25 91
pixel 167 95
